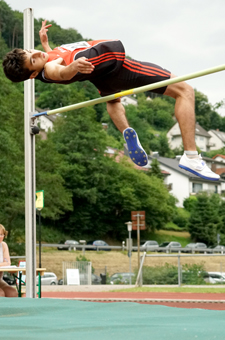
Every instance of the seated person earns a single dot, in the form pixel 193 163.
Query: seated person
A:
pixel 5 289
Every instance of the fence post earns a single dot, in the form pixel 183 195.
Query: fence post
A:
pixel 179 273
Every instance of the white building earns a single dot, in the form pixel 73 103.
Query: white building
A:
pixel 202 137
pixel 217 140
pixel 128 100
pixel 181 184
pixel 45 123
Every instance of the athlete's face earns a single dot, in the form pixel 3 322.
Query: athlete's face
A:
pixel 35 60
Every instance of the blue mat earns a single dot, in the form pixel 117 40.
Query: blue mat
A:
pixel 54 319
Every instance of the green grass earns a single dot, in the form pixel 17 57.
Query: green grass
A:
pixel 165 235
pixel 173 290
pixel 172 226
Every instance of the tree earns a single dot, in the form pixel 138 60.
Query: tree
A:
pixel 49 164
pixel 11 156
pixel 155 169
pixel 103 191
pixel 206 115
pixel 4 49
pixel 205 221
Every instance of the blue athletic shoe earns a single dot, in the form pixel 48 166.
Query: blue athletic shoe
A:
pixel 136 152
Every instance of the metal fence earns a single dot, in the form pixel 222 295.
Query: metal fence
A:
pixel 123 247
pixel 139 279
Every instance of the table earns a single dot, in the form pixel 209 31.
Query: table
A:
pixel 19 271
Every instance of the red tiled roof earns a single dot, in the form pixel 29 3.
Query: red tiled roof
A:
pixel 121 155
pixel 218 155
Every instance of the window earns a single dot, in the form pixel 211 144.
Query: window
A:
pixel 216 189
pixel 196 187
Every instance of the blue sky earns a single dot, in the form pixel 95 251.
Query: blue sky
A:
pixel 182 36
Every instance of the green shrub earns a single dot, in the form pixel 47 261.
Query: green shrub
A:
pixel 160 275
pixel 181 218
pixel 192 274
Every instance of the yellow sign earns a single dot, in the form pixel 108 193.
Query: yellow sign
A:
pixel 40 199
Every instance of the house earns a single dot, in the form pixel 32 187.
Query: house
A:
pixel 181 183
pixel 219 167
pixel 126 100
pixel 202 137
pixel 45 123
pixel 217 139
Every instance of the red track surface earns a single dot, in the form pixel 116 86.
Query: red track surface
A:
pixel 212 301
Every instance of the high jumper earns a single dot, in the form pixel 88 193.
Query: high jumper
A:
pixel 103 62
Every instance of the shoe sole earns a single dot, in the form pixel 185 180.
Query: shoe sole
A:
pixel 136 153
pixel 198 174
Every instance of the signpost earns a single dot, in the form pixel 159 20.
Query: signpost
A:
pixel 138 223
pixel 39 206
pixel 129 245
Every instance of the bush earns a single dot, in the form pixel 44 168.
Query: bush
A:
pixel 181 218
pixel 160 275
pixel 192 274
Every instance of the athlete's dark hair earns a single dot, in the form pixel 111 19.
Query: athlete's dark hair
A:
pixel 13 66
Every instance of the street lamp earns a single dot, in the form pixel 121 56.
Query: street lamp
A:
pixel 129 228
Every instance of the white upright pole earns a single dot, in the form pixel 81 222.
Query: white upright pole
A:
pixel 30 178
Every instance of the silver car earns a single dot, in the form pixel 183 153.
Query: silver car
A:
pixel 150 246
pixel 48 279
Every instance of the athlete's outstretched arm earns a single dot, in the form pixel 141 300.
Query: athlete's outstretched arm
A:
pixel 44 37
pixel 55 71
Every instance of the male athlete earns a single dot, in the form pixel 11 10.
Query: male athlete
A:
pixel 103 63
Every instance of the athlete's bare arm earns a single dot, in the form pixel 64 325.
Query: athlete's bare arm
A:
pixel 54 70
pixel 44 37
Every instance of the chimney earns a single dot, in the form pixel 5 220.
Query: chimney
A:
pixel 213 167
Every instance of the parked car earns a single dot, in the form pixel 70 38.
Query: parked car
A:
pixel 10 279
pixel 48 279
pixel 121 278
pixel 217 248
pixel 95 279
pixel 169 246
pixel 98 243
pixel 198 247
pixel 149 246
pixel 70 243
pixel 214 277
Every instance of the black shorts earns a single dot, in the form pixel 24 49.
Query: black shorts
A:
pixel 113 72
pixel 132 74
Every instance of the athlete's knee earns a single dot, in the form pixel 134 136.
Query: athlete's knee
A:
pixel 188 91
pixel 180 90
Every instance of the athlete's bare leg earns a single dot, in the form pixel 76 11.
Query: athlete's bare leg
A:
pixel 184 111
pixel 118 115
